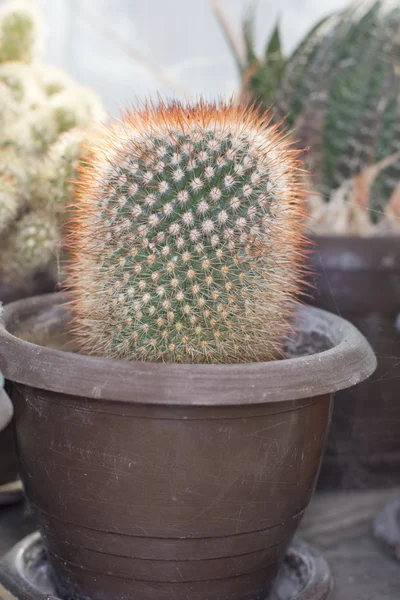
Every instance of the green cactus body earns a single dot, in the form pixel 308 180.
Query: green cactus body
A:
pixel 339 95
pixel 345 105
pixel 186 239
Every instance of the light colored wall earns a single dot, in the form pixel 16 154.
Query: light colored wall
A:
pixel 181 36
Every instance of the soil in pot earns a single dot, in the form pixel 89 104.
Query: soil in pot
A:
pixel 153 481
pixel 359 279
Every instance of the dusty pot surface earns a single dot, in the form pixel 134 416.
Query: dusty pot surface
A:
pixel 359 279
pixel 159 481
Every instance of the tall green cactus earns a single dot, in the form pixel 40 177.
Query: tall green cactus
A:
pixel 340 92
pixel 187 237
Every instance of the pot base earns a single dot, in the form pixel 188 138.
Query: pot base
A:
pixel 26 574
pixel 386 527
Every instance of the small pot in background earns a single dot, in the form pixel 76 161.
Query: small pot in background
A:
pixel 154 481
pixel 359 279
pixel 8 464
pixel 10 485
pixel 41 283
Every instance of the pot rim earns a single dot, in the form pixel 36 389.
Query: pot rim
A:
pixel 374 239
pixel 348 362
pixel 379 254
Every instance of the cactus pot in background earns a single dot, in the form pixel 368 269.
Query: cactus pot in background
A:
pixel 41 283
pixel 10 486
pixel 157 481
pixel 359 279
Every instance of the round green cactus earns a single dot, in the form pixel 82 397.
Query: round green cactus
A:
pixel 186 237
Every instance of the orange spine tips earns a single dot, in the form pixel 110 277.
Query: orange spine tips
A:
pixel 187 237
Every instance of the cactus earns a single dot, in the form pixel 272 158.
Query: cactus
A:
pixel 30 245
pixel 21 32
pixel 53 184
pixel 8 201
pixel 40 106
pixel 187 237
pixel 261 76
pixel 340 92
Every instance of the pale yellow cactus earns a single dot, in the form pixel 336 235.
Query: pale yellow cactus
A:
pixel 39 105
pixel 22 83
pixel 9 201
pixel 53 184
pixel 21 31
pixel 30 245
pixel 51 79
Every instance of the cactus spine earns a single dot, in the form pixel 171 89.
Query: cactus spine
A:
pixel 186 237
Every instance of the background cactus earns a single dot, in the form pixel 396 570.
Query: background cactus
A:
pixel 44 117
pixel 21 31
pixel 340 92
pixel 187 238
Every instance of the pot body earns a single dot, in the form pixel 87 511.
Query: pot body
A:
pixel 141 502
pixel 359 279
pixel 159 481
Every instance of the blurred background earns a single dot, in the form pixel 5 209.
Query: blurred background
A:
pixel 127 48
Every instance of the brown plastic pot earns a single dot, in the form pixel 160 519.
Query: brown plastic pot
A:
pixel 159 481
pixel 10 486
pixel 359 279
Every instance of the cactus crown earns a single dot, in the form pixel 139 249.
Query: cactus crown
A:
pixel 186 237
